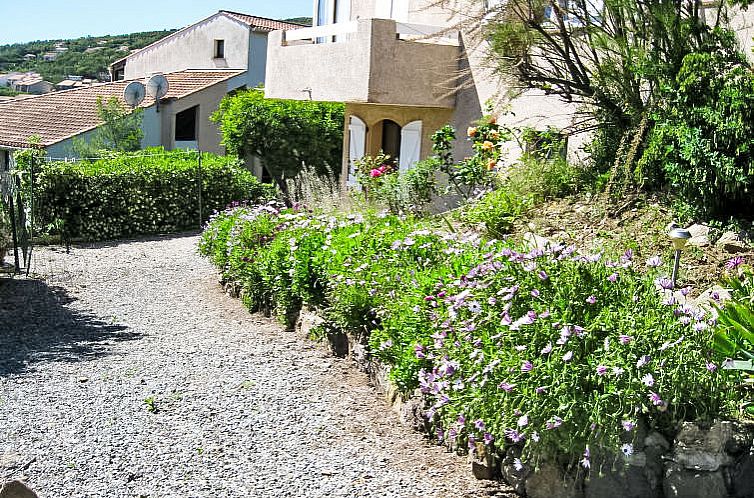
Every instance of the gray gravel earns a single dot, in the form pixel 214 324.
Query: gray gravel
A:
pixel 125 371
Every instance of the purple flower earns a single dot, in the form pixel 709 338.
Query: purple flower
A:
pixel 655 398
pixel 540 389
pixel 613 277
pixel 648 380
pixel 505 386
pixel 711 366
pixel 654 262
pixel 523 421
pixel 419 350
pixel 628 425
pixel 534 293
pixel 527 366
pixel 734 263
pixel 664 282
pixel 585 461
pixel 546 349
pixel 461 420
pixel 488 438
pixel 514 435
pixel 553 423
pixel 479 424
pixel 618 371
pixel 627 449
pixel 475 307
pixel 429 298
pixel 591 299
pixel 518 465
pixel 567 357
pixel 700 326
pixel 543 275
pixel 601 369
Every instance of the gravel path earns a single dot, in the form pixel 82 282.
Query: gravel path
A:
pixel 126 371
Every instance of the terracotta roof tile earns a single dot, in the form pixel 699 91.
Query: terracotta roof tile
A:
pixel 60 115
pixel 261 23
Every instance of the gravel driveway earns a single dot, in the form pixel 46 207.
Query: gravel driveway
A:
pixel 126 371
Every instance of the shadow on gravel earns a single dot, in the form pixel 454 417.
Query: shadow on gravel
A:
pixel 37 325
pixel 145 238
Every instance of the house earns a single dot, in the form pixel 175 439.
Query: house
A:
pixel 29 57
pixel 403 69
pixel 225 40
pixel 28 83
pixel 50 56
pixel 181 121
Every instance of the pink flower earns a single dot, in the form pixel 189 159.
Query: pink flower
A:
pixel 601 369
pixel 505 386
pixel 591 299
pixel 711 367
pixel 628 425
pixel 375 173
pixel 527 366
pixel 625 339
pixel 554 423
pixel 613 278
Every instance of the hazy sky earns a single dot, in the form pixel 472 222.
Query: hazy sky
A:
pixel 51 19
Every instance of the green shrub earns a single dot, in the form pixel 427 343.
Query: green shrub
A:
pixel 549 178
pixel 141 193
pixel 549 350
pixel 497 211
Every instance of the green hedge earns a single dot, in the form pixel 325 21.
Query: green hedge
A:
pixel 154 191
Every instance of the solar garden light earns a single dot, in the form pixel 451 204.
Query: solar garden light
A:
pixel 679 237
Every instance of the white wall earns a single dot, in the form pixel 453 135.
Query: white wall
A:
pixel 194 49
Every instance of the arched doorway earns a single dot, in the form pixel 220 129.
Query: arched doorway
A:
pixel 391 139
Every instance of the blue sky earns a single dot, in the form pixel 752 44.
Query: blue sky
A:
pixel 52 19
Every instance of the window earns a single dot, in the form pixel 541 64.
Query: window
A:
pixel 219 49
pixel 185 125
pixel 391 139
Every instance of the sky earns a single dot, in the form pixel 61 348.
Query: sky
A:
pixel 54 19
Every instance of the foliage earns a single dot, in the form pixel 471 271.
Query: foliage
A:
pixel 702 144
pixel 6 231
pixel 734 332
pixel 121 130
pixel 549 350
pixel 284 134
pixel 407 191
pixel 498 211
pixel 141 193
pixel 103 50
pixel 548 178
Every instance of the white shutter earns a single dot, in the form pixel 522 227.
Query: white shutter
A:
pixel 357 134
pixel 411 144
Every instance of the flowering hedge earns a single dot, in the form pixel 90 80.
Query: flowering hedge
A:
pixel 143 193
pixel 553 351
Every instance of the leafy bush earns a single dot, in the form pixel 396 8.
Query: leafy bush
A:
pixel 284 134
pixel 400 191
pixel 702 143
pixel 549 350
pixel 549 178
pixel 143 193
pixel 497 211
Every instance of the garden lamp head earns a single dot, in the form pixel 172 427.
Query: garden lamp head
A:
pixel 679 237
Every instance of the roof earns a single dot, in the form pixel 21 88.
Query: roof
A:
pixel 261 23
pixel 255 23
pixel 57 116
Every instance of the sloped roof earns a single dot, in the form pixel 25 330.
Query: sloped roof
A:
pixel 261 23
pixel 60 115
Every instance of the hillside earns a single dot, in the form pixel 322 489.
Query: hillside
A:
pixel 87 56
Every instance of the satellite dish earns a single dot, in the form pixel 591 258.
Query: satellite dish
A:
pixel 134 93
pixel 157 86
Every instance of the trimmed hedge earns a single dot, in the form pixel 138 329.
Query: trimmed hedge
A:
pixel 154 191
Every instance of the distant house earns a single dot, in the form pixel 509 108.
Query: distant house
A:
pixel 182 120
pixel 225 40
pixel 75 82
pixel 50 56
pixel 29 57
pixel 28 83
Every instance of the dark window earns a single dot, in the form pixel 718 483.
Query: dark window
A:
pixel 219 49
pixel 185 125
pixel 391 139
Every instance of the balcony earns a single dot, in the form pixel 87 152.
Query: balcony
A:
pixel 375 61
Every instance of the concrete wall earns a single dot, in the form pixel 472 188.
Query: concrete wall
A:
pixel 257 62
pixel 194 48
pixel 372 66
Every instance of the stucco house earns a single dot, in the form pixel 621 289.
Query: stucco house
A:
pixel 181 121
pixel 404 68
pixel 225 40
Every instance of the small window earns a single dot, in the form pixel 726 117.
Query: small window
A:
pixel 185 125
pixel 219 49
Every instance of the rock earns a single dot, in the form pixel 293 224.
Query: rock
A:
pixel 742 478
pixel 549 481
pixel 483 462
pixel 700 449
pixel 682 483
pixel 533 241
pixel 626 482
pixel 308 322
pixel 516 478
pixel 654 438
pixel 733 242
pixel 16 489
pixel 699 235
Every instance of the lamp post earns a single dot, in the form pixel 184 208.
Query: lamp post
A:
pixel 679 237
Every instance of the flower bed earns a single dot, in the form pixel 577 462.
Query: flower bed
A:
pixel 557 354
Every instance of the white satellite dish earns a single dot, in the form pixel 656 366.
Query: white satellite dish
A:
pixel 157 86
pixel 134 93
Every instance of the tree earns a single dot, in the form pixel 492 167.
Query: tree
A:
pixel 284 134
pixel 615 57
pixel 120 131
